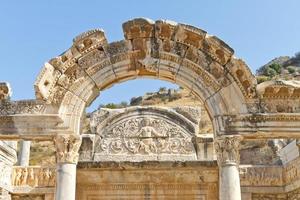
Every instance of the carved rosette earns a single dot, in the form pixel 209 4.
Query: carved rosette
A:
pixel 227 150
pixel 67 147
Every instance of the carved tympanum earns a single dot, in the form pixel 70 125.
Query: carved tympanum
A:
pixel 227 149
pixel 145 136
pixel 144 133
pixel 67 147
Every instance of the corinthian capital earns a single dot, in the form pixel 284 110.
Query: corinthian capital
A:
pixel 227 149
pixel 67 146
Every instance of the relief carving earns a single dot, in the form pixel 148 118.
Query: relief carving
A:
pixel 34 176
pixel 227 150
pixel 269 196
pixel 5 91
pixel 280 106
pixel 293 195
pixel 144 136
pixel 21 107
pixel 28 197
pixel 261 176
pixel 5 174
pixel 67 147
pixel 292 171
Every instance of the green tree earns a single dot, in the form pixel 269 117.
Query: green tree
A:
pixel 291 69
pixel 162 89
pixel 276 67
pixel 111 106
pixel 270 72
pixel 123 104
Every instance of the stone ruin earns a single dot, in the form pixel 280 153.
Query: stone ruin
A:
pixel 150 152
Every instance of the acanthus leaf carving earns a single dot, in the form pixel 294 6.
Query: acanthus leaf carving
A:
pixel 227 149
pixel 67 147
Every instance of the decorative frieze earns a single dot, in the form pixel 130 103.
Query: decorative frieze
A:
pixel 293 195
pixel 21 107
pixel 34 176
pixel 291 172
pixel 67 147
pixel 261 175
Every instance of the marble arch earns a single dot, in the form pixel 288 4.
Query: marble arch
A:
pixel 188 56
pixel 165 50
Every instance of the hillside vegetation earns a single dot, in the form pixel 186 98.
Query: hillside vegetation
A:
pixel 283 67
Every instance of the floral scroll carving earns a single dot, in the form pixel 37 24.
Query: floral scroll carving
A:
pixel 143 133
pixel 145 136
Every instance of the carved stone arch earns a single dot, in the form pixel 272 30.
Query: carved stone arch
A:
pixel 164 50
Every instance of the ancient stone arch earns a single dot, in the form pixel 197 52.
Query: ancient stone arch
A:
pixel 180 53
pixel 165 50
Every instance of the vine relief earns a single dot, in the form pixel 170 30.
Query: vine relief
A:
pixel 145 136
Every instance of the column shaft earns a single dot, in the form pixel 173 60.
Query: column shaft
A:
pixel 229 183
pixel 227 149
pixel 24 153
pixel 66 181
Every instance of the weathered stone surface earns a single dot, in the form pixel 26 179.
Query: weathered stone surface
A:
pixel 186 180
pixel 67 147
pixel 165 50
pixel 5 91
pixel 143 133
pixel 33 177
pixel 227 150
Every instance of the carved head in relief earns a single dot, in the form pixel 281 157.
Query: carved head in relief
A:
pixel 145 122
pixel 143 133
pixel 5 91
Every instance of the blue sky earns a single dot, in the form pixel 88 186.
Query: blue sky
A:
pixel 32 32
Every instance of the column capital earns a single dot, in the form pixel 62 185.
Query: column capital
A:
pixel 227 150
pixel 67 147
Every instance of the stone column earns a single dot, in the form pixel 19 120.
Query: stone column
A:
pixel 67 147
pixel 227 149
pixel 24 153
